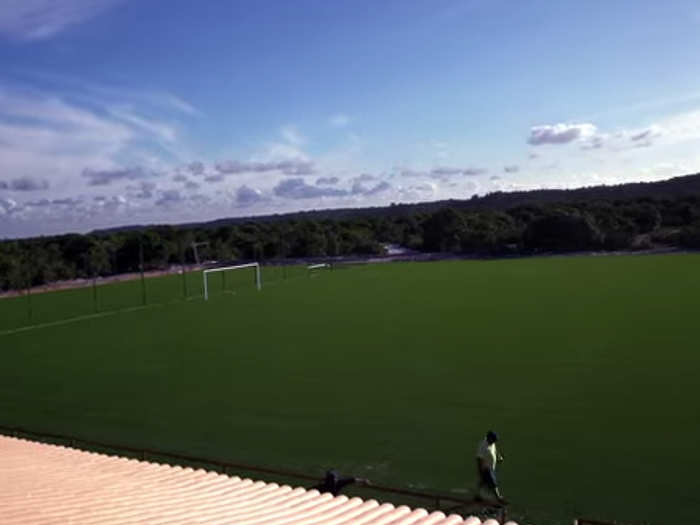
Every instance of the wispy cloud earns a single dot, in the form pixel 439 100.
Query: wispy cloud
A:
pixel 359 189
pixel 246 196
pixel 143 191
pixel 339 120
pixel 296 188
pixel 292 135
pixel 287 167
pixel 107 95
pixel 420 191
pixel 28 20
pixel 443 172
pixel 559 133
pixel 24 184
pixel 107 177
pixel 327 181
pixel 154 127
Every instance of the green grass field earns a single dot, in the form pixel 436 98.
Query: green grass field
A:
pixel 587 367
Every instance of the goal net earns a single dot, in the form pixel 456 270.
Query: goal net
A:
pixel 228 278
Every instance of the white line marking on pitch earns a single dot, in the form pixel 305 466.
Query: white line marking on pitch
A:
pixel 85 317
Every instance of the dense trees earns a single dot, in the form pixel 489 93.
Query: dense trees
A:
pixel 594 224
pixel 562 231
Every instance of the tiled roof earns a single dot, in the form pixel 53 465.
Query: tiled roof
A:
pixel 49 484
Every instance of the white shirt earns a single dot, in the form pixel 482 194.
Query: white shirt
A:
pixel 487 453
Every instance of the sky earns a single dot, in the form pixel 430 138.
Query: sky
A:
pixel 116 112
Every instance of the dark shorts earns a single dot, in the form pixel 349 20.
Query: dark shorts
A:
pixel 488 478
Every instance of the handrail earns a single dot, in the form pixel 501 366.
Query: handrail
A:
pixel 586 521
pixel 225 465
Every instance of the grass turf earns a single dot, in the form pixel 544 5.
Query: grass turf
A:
pixel 587 367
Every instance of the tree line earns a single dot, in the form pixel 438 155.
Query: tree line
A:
pixel 596 224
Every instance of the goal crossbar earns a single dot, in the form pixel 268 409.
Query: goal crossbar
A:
pixel 205 274
pixel 317 266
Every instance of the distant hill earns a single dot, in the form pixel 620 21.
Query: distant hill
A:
pixel 670 188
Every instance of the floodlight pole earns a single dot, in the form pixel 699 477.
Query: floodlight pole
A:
pixel 29 302
pixel 94 290
pixel 194 249
pixel 143 281
pixel 182 266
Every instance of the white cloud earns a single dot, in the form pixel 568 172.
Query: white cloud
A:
pixel 670 130
pixel 46 136
pixel 416 192
pixel 246 196
pixel 647 134
pixel 292 135
pixel 665 170
pixel 443 172
pixel 143 191
pixel 106 177
pixel 168 99
pixel 40 19
pixel 559 133
pixel 7 206
pixel 328 181
pixel 287 167
pixel 296 188
pixel 685 126
pixel 196 168
pixel 155 128
pixel 359 189
pixel 169 198
pixel 214 178
pixel 25 184
pixel 339 120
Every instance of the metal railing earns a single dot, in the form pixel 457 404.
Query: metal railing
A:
pixel 586 521
pixel 435 500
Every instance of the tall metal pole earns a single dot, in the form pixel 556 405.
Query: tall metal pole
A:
pixel 182 267
pixel 26 261
pixel 29 302
pixel 91 270
pixel 94 290
pixel 143 280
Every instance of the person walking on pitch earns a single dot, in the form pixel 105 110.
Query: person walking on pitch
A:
pixel 486 459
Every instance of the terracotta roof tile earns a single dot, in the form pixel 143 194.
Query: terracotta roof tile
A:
pixel 44 484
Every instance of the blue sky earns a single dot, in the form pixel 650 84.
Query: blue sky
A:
pixel 123 111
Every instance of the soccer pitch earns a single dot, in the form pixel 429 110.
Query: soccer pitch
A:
pixel 587 367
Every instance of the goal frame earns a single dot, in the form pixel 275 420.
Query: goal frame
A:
pixel 312 268
pixel 318 266
pixel 205 274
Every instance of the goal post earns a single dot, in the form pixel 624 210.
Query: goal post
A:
pixel 313 269
pixel 206 273
pixel 318 266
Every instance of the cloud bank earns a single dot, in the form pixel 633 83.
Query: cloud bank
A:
pixel 27 20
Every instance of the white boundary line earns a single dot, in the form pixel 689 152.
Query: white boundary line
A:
pixel 81 318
